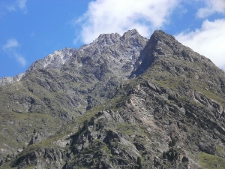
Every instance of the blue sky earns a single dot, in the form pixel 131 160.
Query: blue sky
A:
pixel 32 29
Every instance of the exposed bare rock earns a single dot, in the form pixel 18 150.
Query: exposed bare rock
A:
pixel 8 80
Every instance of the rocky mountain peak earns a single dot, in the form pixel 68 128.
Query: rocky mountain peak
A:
pixel 79 108
pixel 163 44
pixel 131 37
pixel 53 60
pixel 161 36
pixel 165 47
pixel 119 53
pixel 159 45
pixel 107 39
pixel 131 33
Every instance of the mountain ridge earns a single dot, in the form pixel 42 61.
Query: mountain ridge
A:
pixel 59 57
pixel 119 102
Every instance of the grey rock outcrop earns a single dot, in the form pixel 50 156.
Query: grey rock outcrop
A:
pixel 54 60
pixel 8 80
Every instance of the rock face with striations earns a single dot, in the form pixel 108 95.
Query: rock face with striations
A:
pixel 119 102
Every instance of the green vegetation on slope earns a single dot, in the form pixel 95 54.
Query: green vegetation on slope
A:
pixel 209 161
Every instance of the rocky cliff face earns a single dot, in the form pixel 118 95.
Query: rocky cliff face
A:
pixel 55 60
pixel 119 102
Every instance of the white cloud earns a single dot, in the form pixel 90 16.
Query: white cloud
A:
pixel 208 41
pixel 17 4
pixel 11 8
pixel 10 49
pixel 121 15
pixel 20 59
pixel 11 43
pixel 212 7
pixel 22 4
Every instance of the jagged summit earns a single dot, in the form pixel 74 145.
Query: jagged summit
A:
pixel 119 102
pixel 60 57
pixel 131 33
pixel 131 38
pixel 159 45
pixel 160 35
pixel 114 38
pixel 54 60
pixel 127 53
pixel 165 47
pixel 107 39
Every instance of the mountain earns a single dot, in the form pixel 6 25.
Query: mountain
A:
pixel 119 102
